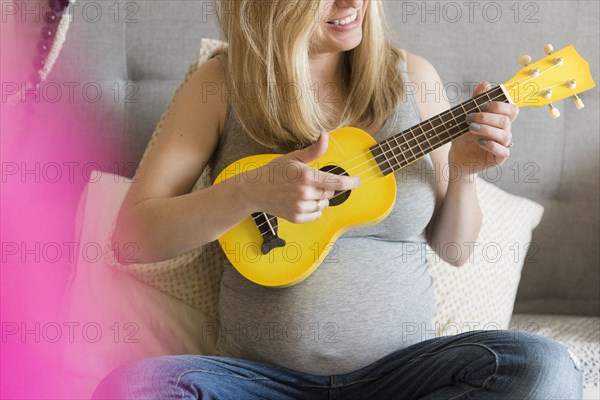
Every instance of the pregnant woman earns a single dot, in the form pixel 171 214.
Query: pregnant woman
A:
pixel 293 71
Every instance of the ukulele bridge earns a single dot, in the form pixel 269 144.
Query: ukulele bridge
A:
pixel 267 226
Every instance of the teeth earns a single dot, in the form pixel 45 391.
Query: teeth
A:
pixel 345 21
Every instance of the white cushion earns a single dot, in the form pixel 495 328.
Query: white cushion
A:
pixel 481 293
pixel 134 320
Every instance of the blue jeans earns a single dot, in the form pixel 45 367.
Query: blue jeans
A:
pixel 491 364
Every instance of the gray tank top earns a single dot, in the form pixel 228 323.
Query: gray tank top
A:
pixel 371 295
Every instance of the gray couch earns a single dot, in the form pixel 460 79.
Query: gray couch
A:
pixel 147 51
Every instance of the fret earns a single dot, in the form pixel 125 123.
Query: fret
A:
pixel 272 221
pixel 385 147
pixel 400 148
pixel 450 123
pixel 410 154
pixel 398 152
pixel 386 167
pixel 458 113
pixel 430 134
pixel 381 160
pixel 414 141
pixel 389 153
pixel 459 116
pixel 499 95
pixel 433 137
pixel 471 106
pixel 462 106
pixel 421 135
pixel 461 124
pixel 266 224
pixel 394 151
pixel 440 129
pixel 479 101
pixel 408 147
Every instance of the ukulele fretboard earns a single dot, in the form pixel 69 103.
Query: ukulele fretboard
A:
pixel 408 146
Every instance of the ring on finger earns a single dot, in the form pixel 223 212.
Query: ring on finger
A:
pixel 324 195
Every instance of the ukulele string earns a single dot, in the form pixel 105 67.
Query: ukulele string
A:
pixel 528 78
pixel 423 133
pixel 460 133
pixel 377 166
pixel 397 145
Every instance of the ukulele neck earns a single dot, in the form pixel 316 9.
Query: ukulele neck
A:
pixel 410 145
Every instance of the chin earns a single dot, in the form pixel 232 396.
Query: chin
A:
pixel 343 45
pixel 348 46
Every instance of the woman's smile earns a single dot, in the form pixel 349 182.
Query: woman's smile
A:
pixel 340 26
pixel 347 23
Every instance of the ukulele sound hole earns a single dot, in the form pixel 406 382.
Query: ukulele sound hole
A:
pixel 338 197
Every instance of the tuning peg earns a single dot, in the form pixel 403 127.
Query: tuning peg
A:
pixel 578 103
pixel 558 60
pixel 524 60
pixel 534 71
pixel 547 94
pixel 554 113
pixel 572 84
pixel 548 49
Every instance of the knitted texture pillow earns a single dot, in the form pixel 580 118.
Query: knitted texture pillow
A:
pixel 481 293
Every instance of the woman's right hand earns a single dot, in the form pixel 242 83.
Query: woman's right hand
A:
pixel 288 188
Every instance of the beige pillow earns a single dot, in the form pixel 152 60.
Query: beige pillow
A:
pixel 481 293
pixel 120 318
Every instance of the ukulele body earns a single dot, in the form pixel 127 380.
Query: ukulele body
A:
pixel 307 244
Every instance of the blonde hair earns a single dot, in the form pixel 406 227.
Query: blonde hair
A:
pixel 268 74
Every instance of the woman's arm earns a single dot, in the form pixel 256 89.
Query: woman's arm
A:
pixel 159 214
pixel 457 218
pixel 163 219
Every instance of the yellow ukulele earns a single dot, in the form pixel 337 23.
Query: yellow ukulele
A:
pixel 271 251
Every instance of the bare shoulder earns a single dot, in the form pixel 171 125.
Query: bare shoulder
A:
pixel 211 70
pixel 425 79
pixel 419 66
pixel 208 82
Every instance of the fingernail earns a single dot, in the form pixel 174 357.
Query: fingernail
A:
pixel 470 118
pixel 485 107
pixel 358 181
pixel 475 126
pixel 482 142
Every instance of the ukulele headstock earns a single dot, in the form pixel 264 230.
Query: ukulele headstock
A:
pixel 559 75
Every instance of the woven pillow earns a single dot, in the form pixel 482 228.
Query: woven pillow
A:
pixel 481 293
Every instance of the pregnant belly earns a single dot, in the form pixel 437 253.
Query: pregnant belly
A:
pixel 348 314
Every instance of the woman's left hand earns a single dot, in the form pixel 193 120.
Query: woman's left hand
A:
pixel 488 142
